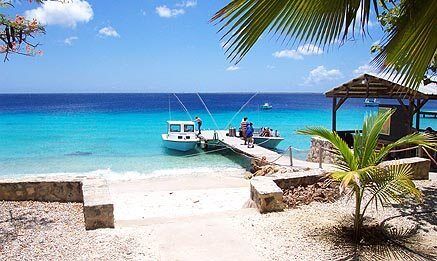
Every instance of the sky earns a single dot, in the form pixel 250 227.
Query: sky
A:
pixel 166 46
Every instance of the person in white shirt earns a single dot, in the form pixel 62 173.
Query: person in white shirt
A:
pixel 243 126
pixel 199 123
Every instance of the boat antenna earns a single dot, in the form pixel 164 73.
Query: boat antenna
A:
pixel 242 107
pixel 183 106
pixel 210 114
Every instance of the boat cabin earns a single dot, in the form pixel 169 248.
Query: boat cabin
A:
pixel 183 130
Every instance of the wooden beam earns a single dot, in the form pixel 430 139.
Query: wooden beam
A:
pixel 411 109
pixel 367 85
pixel 420 104
pixel 340 102
pixel 334 114
pixel 403 105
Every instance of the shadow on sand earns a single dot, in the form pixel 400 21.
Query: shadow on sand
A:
pixel 390 239
pixel 15 225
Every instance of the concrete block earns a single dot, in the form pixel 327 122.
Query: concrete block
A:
pixel 266 195
pixel 420 166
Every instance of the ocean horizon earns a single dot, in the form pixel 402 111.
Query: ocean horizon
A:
pixel 119 134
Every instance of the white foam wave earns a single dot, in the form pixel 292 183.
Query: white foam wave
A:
pixel 133 175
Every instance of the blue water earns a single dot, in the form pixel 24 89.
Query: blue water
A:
pixel 120 133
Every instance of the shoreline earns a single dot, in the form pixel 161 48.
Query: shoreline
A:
pixel 133 175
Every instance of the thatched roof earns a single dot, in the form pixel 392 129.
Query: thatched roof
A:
pixel 378 86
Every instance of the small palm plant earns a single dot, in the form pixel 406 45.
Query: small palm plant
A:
pixel 359 168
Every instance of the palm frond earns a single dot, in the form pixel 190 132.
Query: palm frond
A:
pixel 345 154
pixel 407 50
pixel 390 183
pixel 411 45
pixel 422 139
pixel 372 127
pixel 310 21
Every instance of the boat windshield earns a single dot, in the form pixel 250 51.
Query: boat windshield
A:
pixel 188 128
pixel 175 128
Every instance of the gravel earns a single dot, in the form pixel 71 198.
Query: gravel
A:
pixel 309 232
pixel 55 231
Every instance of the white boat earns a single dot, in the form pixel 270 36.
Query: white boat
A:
pixel 180 136
pixel 269 142
pixel 371 103
pixel 266 106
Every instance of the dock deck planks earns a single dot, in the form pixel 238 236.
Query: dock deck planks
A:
pixel 237 144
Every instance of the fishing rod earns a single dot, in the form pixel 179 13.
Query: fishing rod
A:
pixel 183 106
pixel 169 108
pixel 210 114
pixel 242 107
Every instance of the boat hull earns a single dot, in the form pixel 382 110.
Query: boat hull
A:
pixel 268 142
pixel 179 145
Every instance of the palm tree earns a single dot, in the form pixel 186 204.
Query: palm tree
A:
pixel 359 170
pixel 406 51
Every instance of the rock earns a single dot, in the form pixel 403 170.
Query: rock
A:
pixel 248 175
pixel 320 191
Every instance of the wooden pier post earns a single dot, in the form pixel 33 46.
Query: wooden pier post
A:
pixel 419 151
pixel 291 155
pixel 320 157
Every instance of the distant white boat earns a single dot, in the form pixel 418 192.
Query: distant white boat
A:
pixel 180 136
pixel 266 106
pixel 371 103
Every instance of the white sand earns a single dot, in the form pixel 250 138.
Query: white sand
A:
pixel 190 217
pixel 169 197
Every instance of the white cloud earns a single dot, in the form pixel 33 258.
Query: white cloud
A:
pixel 365 68
pixel 293 54
pixel 232 68
pixel 70 40
pixel 188 3
pixel 270 67
pixel 303 50
pixel 164 11
pixel 67 13
pixel 309 49
pixel 108 31
pixel 320 74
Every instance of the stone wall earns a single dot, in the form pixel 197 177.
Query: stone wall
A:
pixel 48 191
pixel 98 208
pixel 305 178
pixel 267 194
pixel 419 166
pixel 314 153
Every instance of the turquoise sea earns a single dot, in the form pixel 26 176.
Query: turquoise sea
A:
pixel 119 134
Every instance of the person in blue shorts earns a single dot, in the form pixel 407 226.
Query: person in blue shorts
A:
pixel 249 135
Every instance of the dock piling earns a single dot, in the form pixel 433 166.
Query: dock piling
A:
pixel 291 155
pixel 320 157
pixel 419 151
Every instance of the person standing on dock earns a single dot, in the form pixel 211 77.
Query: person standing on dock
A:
pixel 249 135
pixel 243 125
pixel 199 124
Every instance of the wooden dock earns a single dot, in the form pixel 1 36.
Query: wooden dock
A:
pixel 237 144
